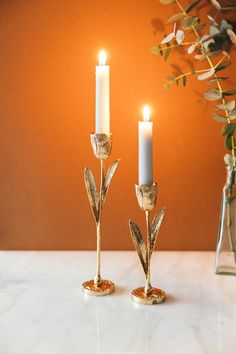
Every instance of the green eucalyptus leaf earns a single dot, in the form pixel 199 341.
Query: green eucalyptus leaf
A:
pixel 184 80
pixel 192 6
pixel 230 92
pixel 219 78
pixel 168 38
pixel 190 21
pixel 224 25
pixel 214 30
pixel 198 26
pixel 229 106
pixel 171 78
pixel 167 53
pixel 219 118
pixel 232 114
pixel 228 129
pixel 229 160
pixel 156 50
pixel 175 43
pixel 175 18
pixel 206 75
pixel 212 95
pixel 228 142
pixel 222 66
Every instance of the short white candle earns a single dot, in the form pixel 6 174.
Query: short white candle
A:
pixel 145 148
pixel 102 96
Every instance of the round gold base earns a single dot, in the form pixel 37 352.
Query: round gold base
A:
pixel 156 296
pixel 106 287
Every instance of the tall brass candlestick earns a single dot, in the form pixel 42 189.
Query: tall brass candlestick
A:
pixel 146 196
pixel 101 144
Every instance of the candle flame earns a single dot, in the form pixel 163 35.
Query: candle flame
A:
pixel 102 57
pixel 146 113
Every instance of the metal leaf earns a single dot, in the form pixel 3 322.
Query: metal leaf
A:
pixel 138 243
pixel 108 178
pixel 91 191
pixel 155 227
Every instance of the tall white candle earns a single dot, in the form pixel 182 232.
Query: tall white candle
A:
pixel 145 148
pixel 102 95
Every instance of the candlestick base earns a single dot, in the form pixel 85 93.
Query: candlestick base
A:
pixel 156 296
pixel 105 287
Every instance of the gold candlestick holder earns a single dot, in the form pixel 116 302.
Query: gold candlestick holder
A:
pixel 146 196
pixel 101 144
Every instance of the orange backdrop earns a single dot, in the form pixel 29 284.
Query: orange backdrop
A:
pixel 47 63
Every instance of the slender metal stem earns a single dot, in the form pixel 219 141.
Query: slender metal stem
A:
pixel 97 278
pixel 148 286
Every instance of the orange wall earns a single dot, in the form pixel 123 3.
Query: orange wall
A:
pixel 47 63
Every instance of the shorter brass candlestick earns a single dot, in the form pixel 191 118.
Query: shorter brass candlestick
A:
pixel 146 196
pixel 101 144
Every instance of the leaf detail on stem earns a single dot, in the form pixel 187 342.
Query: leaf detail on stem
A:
pixel 213 95
pixel 206 75
pixel 229 160
pixel 175 18
pixel 192 6
pixel 189 21
pixel 138 243
pixel 168 38
pixel 230 92
pixel 232 114
pixel 223 65
pixel 108 178
pixel 179 36
pixel 229 106
pixel 155 227
pixel 219 118
pixel 92 192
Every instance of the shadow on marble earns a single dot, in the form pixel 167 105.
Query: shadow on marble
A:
pixel 119 290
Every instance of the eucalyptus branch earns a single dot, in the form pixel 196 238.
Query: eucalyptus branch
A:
pixel 193 72
pixel 212 67
pixel 176 45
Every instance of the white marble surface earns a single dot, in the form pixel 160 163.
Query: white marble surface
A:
pixel 43 311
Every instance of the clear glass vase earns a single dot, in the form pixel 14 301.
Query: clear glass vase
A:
pixel 225 262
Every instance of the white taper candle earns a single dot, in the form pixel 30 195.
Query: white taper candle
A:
pixel 102 95
pixel 145 148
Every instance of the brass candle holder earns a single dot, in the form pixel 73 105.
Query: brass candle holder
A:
pixel 146 196
pixel 101 144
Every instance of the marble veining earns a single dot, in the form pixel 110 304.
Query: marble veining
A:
pixel 43 310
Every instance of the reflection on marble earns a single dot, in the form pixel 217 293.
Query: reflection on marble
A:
pixel 43 310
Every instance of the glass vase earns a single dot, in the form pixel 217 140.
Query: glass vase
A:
pixel 225 262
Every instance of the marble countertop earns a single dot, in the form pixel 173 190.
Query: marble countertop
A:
pixel 43 310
